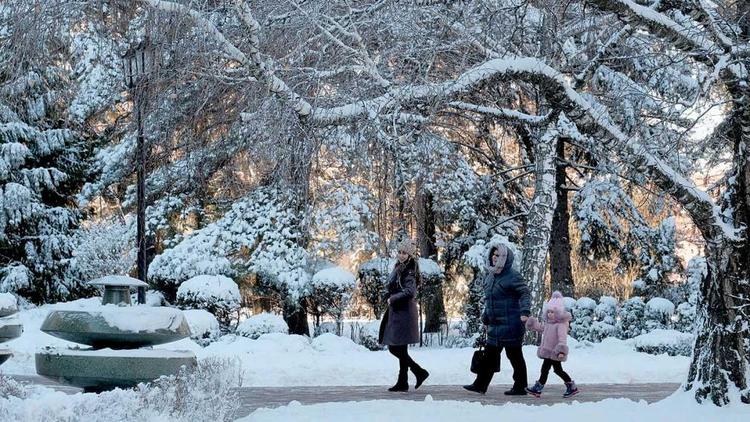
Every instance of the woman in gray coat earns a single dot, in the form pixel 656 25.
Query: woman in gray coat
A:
pixel 402 319
pixel 507 305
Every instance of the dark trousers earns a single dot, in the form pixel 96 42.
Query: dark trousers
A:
pixel 515 356
pixel 405 362
pixel 549 363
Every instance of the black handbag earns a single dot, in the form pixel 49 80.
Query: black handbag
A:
pixel 481 359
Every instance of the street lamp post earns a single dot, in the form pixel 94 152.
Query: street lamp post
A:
pixel 137 62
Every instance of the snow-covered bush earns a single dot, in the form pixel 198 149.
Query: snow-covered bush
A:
pixel 671 342
pixel 373 275
pixel 366 334
pixel 630 321
pixel 206 392
pixel 101 249
pixel 215 293
pixel 685 314
pixel 330 293
pixel 684 318
pixel 204 327
pixel 583 318
pixel 430 294
pixel 659 312
pixel 260 324
pixel 259 235
pixel 328 327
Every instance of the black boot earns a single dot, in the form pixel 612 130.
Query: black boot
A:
pixel 421 375
pixel 474 388
pixel 480 384
pixel 402 384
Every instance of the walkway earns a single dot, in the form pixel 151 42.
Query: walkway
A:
pixel 252 398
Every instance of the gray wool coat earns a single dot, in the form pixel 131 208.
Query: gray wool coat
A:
pixel 506 298
pixel 402 326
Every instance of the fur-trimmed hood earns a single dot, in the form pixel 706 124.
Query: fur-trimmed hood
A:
pixel 508 261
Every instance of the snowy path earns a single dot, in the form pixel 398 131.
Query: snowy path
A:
pixel 253 398
pixel 270 397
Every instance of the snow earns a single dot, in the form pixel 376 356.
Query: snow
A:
pixel 136 318
pixel 664 341
pixel 661 306
pixel 205 287
pixel 680 406
pixel 334 276
pixel 203 324
pixel 586 303
pixel 260 324
pixel 125 353
pixel 278 359
pixel 118 280
pixel 8 301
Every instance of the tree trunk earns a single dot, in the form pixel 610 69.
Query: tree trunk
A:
pixel 431 290
pixel 539 222
pixel 721 357
pixel 295 316
pixel 561 271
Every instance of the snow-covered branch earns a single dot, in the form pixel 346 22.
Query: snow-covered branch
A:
pixel 255 64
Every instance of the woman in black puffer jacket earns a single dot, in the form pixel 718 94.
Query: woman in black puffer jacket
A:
pixel 507 305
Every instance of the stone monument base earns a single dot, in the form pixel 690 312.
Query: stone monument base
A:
pixel 106 369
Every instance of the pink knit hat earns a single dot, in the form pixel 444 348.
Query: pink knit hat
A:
pixel 556 303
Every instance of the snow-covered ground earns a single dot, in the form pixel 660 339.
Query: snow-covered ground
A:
pixel 285 360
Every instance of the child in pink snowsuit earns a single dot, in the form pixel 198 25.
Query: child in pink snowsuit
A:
pixel 554 346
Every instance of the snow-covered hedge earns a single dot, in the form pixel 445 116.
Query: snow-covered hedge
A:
pixel 659 312
pixel 260 324
pixel 366 334
pixel 214 293
pixel 671 342
pixel 330 293
pixel 204 327
pixel 583 318
pixel 631 322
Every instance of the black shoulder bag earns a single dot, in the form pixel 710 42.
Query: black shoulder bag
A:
pixel 481 360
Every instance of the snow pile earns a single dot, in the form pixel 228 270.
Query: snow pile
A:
pixel 204 327
pixel 8 303
pixel 260 324
pixel 330 343
pixel 140 318
pixel 671 342
pixel 201 394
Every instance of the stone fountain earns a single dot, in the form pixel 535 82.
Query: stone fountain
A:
pixel 10 327
pixel 120 336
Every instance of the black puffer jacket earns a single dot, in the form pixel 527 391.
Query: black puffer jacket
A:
pixel 506 299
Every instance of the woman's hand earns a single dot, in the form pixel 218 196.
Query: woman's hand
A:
pixel 560 355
